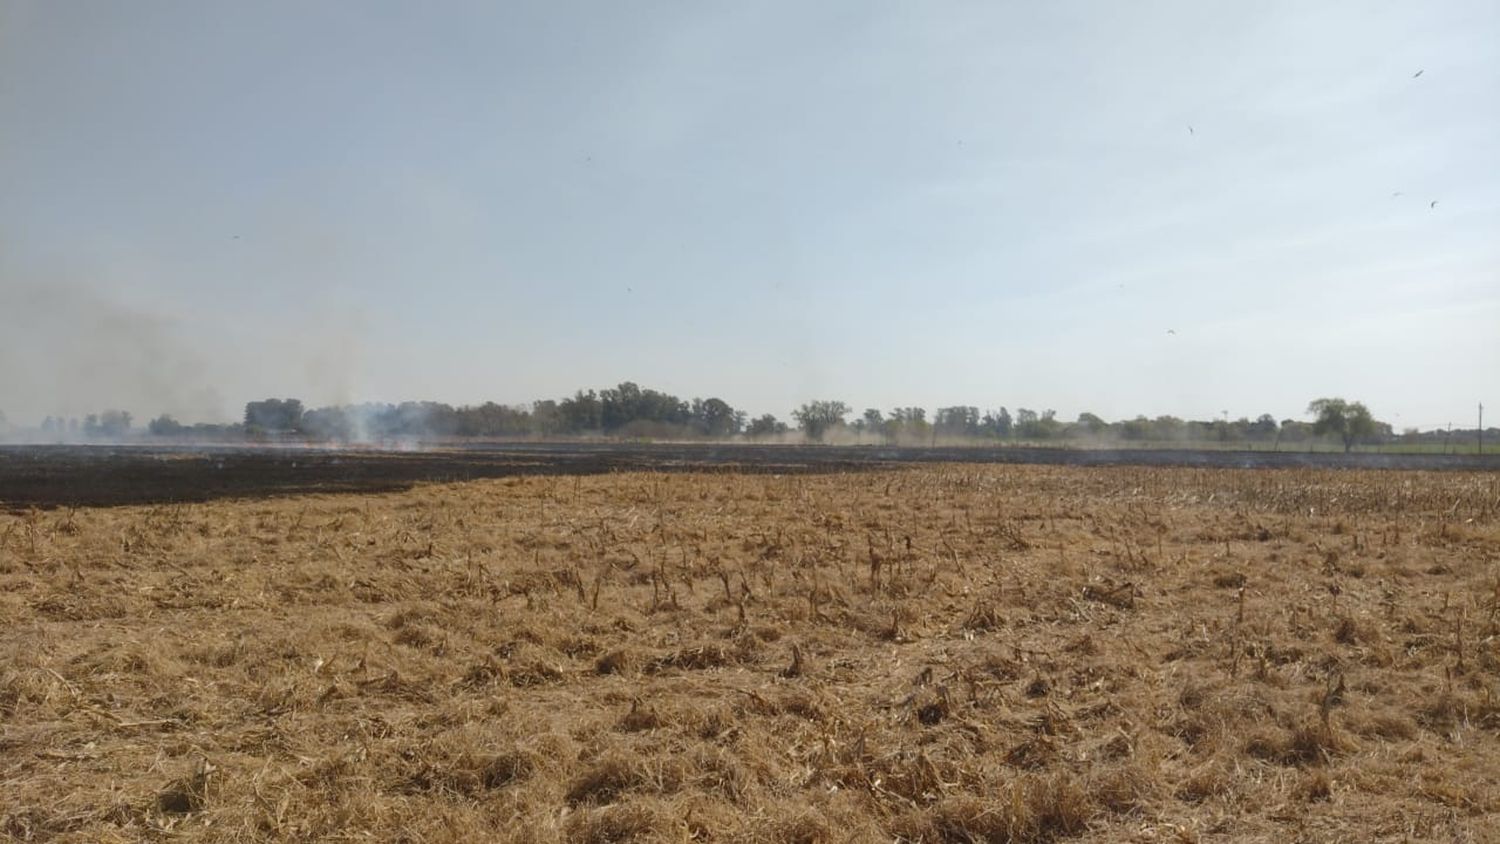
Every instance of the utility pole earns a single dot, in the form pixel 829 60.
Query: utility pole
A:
pixel 1481 427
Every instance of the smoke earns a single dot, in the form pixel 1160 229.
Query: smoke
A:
pixel 69 350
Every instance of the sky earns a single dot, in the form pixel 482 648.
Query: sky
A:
pixel 1150 208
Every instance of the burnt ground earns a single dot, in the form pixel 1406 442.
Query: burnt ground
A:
pixel 72 475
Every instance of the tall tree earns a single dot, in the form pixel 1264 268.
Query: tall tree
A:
pixel 999 422
pixel 1263 428
pixel 765 426
pixel 582 412
pixel 1092 424
pixel 958 421
pixel 274 415
pixel 110 423
pixel 816 417
pixel 715 418
pixel 165 426
pixel 1350 421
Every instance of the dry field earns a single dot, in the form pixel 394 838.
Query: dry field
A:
pixel 940 654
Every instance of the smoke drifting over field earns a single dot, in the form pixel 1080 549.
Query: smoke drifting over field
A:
pixel 1000 204
pixel 68 349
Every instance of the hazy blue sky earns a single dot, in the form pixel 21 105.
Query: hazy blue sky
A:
pixel 887 203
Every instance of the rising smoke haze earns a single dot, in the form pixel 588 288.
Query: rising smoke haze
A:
pixel 204 205
pixel 69 350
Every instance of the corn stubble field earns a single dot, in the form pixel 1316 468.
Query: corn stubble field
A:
pixel 938 654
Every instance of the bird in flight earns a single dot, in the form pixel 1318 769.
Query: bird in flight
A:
pixel 1419 73
pixel 1396 194
pixel 1171 331
pixel 1432 204
pixel 1190 129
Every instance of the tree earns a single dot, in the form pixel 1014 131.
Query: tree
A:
pixel 957 421
pixel 629 403
pixel 110 423
pixel 1168 428
pixel 999 422
pixel 1092 424
pixel 1138 428
pixel 274 415
pixel 165 426
pixel 1351 421
pixel 907 423
pixel 498 420
pixel 1263 428
pixel 816 417
pixel 715 418
pixel 1033 426
pixel 765 426
pixel 546 418
pixel 582 412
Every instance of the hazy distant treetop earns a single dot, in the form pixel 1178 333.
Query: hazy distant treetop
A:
pixel 1091 423
pixel 110 423
pixel 274 415
pixel 765 426
pixel 816 417
pixel 1351 421
pixel 165 426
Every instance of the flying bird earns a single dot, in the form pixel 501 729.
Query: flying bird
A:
pixel 1190 129
pixel 1419 73
pixel 1171 331
pixel 1431 205
pixel 1396 194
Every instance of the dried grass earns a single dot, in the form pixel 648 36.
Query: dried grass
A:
pixel 951 653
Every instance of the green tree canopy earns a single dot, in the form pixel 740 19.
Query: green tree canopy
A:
pixel 816 417
pixel 1350 421
pixel 765 426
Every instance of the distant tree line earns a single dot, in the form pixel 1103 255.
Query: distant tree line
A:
pixel 631 411
pixel 109 424
pixel 1349 423
pixel 627 410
